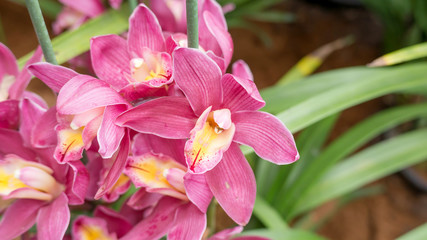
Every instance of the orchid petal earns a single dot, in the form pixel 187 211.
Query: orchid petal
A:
pixel 30 114
pixel 267 135
pixel 190 223
pixel 89 8
pixel 144 31
pixel 19 217
pixel 215 9
pixel 53 76
pixel 136 91
pixel 83 93
pixel 115 3
pixel 169 117
pixel 158 223
pixel 9 114
pixel 241 94
pixel 198 190
pixel 77 183
pixel 8 64
pixel 227 233
pixel 232 182
pixel 115 222
pixel 198 77
pixel 143 199
pixel 146 143
pixel 117 168
pixel 87 228
pixel 24 77
pixel 241 69
pixel 120 187
pixel 110 135
pixel 11 142
pixel 171 16
pixel 70 144
pixel 221 35
pixel 53 219
pixel 110 59
pixel 208 141
pixel 43 133
pixel 151 171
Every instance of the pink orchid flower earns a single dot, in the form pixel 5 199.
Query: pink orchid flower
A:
pixel 12 86
pixel 213 33
pixel 86 108
pixel 40 187
pixel 220 113
pixel 75 13
pixel 157 166
pixel 106 225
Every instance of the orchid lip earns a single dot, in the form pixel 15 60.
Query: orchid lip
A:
pixel 211 136
pixel 25 179
pixel 157 173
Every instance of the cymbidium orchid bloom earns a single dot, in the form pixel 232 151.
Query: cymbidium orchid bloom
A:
pixel 218 113
pixel 105 225
pixel 42 188
pixel 139 66
pixel 76 12
pixel 155 165
pixel 87 108
pixel 12 86
pixel 213 33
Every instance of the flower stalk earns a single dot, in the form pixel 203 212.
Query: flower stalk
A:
pixel 35 12
pixel 133 4
pixel 192 24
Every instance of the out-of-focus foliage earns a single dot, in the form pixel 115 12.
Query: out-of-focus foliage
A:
pixel 405 22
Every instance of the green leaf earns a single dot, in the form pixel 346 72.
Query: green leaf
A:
pixel 73 43
pixel 402 55
pixel 309 144
pixel 292 234
pixel 418 233
pixel 279 98
pixel 346 144
pixel 371 164
pixel 344 96
pixel 268 215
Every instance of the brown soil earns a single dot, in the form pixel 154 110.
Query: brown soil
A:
pixel 384 216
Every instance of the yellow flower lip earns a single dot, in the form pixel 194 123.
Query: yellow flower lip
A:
pixel 26 179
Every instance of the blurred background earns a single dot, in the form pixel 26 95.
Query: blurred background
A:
pixel 271 43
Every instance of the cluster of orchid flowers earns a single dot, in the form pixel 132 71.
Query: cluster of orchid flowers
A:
pixel 159 115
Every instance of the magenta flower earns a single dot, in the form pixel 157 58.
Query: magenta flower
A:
pixel 221 113
pixel 213 33
pixel 106 225
pixel 180 199
pixel 41 188
pixel 75 13
pixel 12 87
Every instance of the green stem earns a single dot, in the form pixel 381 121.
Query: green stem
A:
pixel 192 24
pixel 212 216
pixel 41 30
pixel 133 4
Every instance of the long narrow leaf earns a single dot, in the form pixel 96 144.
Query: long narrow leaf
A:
pixel 344 96
pixel 269 216
pixel 401 55
pixel 346 144
pixel 418 233
pixel 371 164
